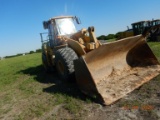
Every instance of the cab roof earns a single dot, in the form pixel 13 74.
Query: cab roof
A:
pixel 60 17
pixel 155 20
pixel 141 22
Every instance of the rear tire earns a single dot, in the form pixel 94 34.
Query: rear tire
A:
pixel 64 58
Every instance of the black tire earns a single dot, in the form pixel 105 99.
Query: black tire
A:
pixel 45 63
pixel 64 58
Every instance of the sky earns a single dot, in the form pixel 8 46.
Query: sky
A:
pixel 21 20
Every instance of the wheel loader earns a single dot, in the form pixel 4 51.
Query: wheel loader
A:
pixel 107 71
pixel 141 26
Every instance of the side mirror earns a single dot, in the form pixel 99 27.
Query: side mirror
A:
pixel 77 20
pixel 45 25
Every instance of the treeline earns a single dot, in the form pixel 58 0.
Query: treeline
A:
pixel 109 36
pixel 21 54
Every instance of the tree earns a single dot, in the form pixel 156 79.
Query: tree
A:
pixel 118 35
pixel 31 52
pixel 20 54
pixel 38 50
pixel 102 37
pixel 110 36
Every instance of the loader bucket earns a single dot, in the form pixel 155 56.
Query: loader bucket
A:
pixel 115 69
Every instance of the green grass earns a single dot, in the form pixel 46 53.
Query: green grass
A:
pixel 111 40
pixel 25 86
pixel 10 68
pixel 155 46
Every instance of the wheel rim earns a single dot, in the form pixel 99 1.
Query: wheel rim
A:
pixel 60 67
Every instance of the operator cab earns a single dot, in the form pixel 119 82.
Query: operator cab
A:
pixel 155 22
pixel 60 26
pixel 139 27
pixel 65 26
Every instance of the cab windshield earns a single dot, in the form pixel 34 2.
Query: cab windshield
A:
pixel 65 26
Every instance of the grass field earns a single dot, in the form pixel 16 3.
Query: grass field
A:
pixel 27 92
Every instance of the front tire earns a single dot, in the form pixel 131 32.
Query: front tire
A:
pixel 64 58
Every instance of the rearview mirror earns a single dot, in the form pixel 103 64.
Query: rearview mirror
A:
pixel 77 20
pixel 45 24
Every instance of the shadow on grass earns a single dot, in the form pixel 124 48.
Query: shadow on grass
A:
pixel 40 75
pixel 59 86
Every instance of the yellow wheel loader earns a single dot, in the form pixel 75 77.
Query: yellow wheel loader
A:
pixel 139 27
pixel 105 71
